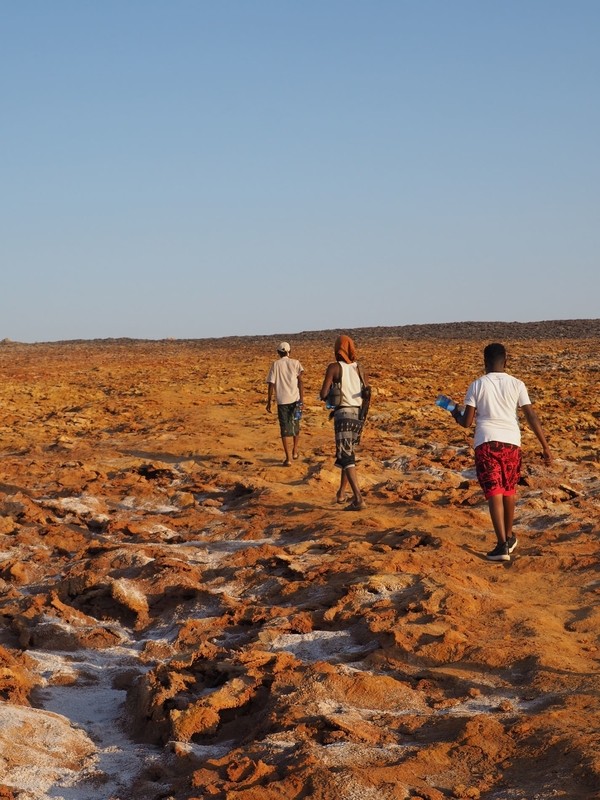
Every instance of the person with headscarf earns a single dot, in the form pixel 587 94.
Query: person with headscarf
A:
pixel 348 415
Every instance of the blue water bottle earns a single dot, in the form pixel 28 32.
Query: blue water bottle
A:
pixel 298 411
pixel 443 401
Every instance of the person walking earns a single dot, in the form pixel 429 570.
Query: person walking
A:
pixel 348 415
pixel 493 400
pixel 284 381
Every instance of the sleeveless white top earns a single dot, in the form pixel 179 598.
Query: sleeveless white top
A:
pixel 351 388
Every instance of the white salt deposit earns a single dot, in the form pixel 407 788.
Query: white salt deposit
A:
pixel 204 752
pixel 163 532
pixel 317 645
pixel 40 748
pixel 86 504
pixel 127 592
pixel 339 754
pixel 130 503
pixel 93 707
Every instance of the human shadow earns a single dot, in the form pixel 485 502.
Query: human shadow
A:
pixel 167 458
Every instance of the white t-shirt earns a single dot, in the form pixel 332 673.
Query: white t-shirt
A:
pixel 284 373
pixel 496 397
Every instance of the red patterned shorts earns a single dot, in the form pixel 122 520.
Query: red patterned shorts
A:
pixel 498 467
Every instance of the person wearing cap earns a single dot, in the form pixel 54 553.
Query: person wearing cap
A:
pixel 285 382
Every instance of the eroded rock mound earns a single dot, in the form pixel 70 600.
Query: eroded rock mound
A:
pixel 184 618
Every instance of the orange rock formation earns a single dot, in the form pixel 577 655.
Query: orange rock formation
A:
pixel 184 618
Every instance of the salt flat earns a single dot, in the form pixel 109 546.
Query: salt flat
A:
pixel 198 621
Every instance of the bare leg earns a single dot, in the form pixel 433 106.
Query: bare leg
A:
pixel 351 477
pixel 295 452
pixel 287 448
pixel 341 492
pixel 509 514
pixel 497 513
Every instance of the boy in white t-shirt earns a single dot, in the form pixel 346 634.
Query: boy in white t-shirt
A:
pixel 285 381
pixel 493 400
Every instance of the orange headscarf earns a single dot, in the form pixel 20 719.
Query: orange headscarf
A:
pixel 345 349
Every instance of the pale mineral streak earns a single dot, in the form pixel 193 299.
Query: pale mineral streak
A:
pixel 183 618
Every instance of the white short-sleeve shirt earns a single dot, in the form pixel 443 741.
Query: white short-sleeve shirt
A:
pixel 284 374
pixel 496 397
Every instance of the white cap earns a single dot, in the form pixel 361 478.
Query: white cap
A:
pixel 283 347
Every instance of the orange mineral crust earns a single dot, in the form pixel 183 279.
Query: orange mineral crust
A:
pixel 183 617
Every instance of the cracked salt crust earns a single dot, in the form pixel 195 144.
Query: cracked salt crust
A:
pixel 318 645
pixel 94 708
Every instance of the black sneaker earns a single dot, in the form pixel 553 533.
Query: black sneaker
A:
pixel 499 553
pixel 512 542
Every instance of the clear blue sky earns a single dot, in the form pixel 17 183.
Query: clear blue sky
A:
pixel 192 168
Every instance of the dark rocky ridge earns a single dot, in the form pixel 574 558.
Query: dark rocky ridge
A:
pixel 193 620
pixel 467 331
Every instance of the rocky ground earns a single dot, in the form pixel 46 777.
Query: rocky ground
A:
pixel 183 617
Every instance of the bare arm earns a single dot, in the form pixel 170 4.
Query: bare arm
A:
pixel 464 418
pixel 332 373
pixel 270 388
pixel 301 388
pixel 536 426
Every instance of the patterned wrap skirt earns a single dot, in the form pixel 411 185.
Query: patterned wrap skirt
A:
pixel 348 428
